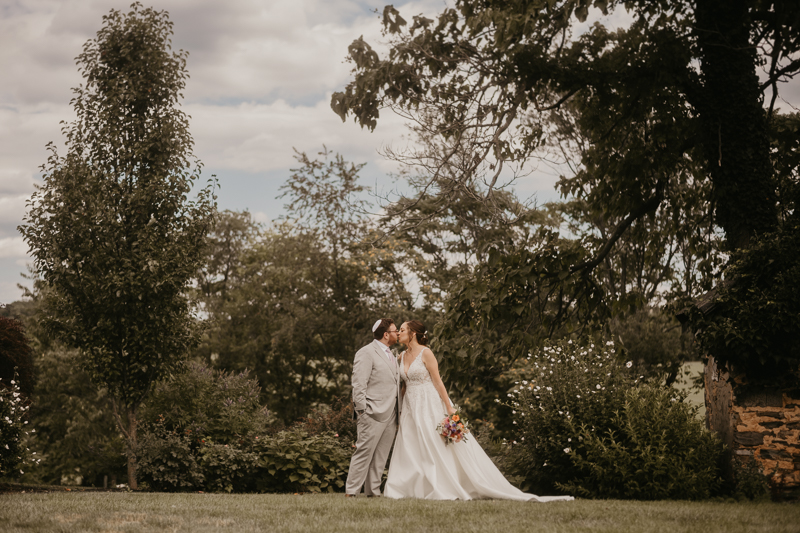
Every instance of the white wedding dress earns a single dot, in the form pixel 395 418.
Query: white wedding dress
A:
pixel 423 466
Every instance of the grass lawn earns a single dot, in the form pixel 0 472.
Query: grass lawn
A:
pixel 101 511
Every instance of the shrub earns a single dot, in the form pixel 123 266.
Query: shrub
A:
pixel 16 355
pixel 13 452
pixel 210 404
pixel 293 461
pixel 336 420
pixel 656 449
pixel 210 433
pixel 561 389
pixel 75 430
pixel 227 468
pixel 167 460
pixel 749 482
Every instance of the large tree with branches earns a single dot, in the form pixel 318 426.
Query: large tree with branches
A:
pixel 113 234
pixel 675 121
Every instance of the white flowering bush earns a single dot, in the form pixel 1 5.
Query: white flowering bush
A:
pixel 13 453
pixel 561 389
pixel 658 449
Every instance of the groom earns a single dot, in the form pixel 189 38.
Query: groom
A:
pixel 376 392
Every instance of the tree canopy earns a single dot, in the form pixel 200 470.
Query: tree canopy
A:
pixel 112 233
pixel 666 120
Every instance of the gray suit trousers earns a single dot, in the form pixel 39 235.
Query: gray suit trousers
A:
pixel 372 449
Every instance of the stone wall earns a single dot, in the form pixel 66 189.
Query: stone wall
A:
pixel 759 424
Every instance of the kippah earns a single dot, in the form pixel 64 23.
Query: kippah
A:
pixel 377 325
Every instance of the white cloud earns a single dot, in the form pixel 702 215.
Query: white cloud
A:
pixel 262 72
pixel 260 137
pixel 12 209
pixel 13 247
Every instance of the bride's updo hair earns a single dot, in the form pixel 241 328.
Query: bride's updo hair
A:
pixel 420 332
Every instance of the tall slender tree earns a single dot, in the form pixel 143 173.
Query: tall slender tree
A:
pixel 111 231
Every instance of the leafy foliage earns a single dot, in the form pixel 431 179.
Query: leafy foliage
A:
pixel 293 461
pixel 662 121
pixel 654 342
pixel 750 482
pixel 296 300
pixel 13 407
pixel 76 433
pixel 111 231
pixel 755 323
pixel 16 357
pixel 167 459
pixel 515 300
pixel 207 404
pixel 336 419
pixel 562 389
pixel 588 427
pixel 656 448
pixel 287 461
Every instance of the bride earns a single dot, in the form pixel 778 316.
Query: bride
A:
pixel 422 465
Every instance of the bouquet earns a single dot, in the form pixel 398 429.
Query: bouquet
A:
pixel 453 428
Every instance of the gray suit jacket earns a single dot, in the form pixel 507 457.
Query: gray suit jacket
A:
pixel 376 383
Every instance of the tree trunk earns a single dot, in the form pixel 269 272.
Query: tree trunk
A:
pixel 127 426
pixel 733 122
pixel 132 446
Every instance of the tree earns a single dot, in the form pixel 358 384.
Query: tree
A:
pixel 111 231
pixel 16 357
pixel 486 78
pixel 294 301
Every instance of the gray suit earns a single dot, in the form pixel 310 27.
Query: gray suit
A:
pixel 376 392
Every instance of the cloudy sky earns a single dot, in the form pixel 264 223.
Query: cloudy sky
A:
pixel 262 72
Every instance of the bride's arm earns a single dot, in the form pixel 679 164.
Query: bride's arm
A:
pixel 433 369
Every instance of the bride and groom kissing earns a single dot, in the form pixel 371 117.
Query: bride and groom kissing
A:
pixel 423 465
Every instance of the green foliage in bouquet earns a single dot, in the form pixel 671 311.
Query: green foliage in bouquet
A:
pixel 562 388
pixel 655 449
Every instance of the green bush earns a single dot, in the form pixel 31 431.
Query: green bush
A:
pixel 749 482
pixel 227 468
pixel 205 430
pixel 562 388
pixel 656 449
pixel 12 413
pixel 336 420
pixel 167 460
pixel 210 404
pixel 75 432
pixel 293 461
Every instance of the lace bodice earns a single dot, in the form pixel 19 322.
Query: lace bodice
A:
pixel 417 373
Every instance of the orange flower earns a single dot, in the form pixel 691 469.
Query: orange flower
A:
pixel 456 418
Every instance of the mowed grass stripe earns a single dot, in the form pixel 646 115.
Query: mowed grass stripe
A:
pixel 102 512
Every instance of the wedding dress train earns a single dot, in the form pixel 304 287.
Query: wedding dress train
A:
pixel 423 466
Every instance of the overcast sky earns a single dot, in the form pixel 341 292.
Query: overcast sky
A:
pixel 262 72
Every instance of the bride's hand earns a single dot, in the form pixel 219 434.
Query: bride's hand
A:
pixel 451 410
